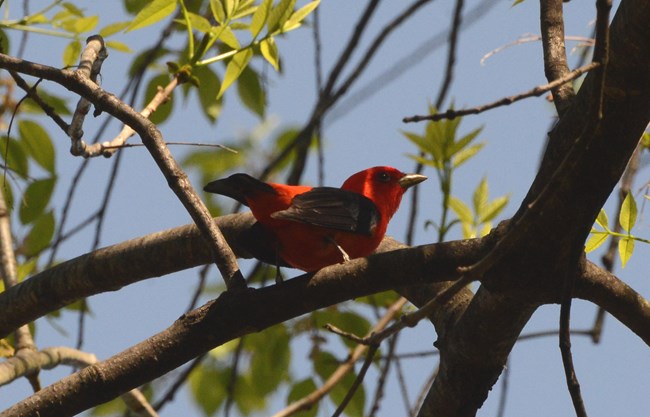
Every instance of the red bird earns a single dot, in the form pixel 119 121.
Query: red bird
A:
pixel 319 226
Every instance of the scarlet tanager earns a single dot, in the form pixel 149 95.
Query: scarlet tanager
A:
pixel 318 226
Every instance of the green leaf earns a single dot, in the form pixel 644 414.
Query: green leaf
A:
pixel 493 208
pixel 251 92
pixel 296 18
pixel 627 219
pixel 480 197
pixel 227 36
pixel 426 162
pixel 234 69
pixel 270 359
pixel 198 22
pixel 464 141
pixel 208 385
pixel 280 14
pixel 40 235
pixel 134 6
pixel 71 53
pixel 80 24
pixel 244 8
pixel 210 85
pixel 300 390
pixel 229 6
pixel 463 212
pixel 152 13
pixel 4 42
pixel 217 11
pixel 165 109
pixel 463 155
pixel 35 199
pixel 602 219
pixel 596 239
pixel 15 156
pixel 270 52
pixel 325 364
pixel 625 249
pixel 260 17
pixel 113 28
pixel 38 144
pixel 118 46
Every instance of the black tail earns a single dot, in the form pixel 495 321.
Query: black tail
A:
pixel 238 187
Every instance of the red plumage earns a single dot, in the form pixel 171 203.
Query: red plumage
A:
pixel 315 226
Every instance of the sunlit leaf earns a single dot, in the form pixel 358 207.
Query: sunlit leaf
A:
pixel 235 68
pixel 80 24
pixel 602 219
pixel 113 28
pixel 465 154
pixel 270 52
pixel 217 11
pixel 464 141
pixel 480 196
pixel 461 209
pixel 280 14
pixel 493 208
pixel 627 219
pixel 596 239
pixel 152 13
pixel 295 20
pixel 118 46
pixel 625 249
pixel 260 17
pixel 71 53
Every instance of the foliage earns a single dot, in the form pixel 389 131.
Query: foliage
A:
pixel 441 149
pixel 627 220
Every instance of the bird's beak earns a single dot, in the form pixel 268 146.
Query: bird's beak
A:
pixel 410 180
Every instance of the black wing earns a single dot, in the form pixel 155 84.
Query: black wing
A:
pixel 333 208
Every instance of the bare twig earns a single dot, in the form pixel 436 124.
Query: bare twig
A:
pixel 357 381
pixel 532 38
pixel 309 400
pixel 442 96
pixel 31 92
pixel 535 92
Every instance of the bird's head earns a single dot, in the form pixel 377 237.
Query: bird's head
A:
pixel 383 185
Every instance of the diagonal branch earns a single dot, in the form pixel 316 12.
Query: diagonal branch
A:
pixel 152 138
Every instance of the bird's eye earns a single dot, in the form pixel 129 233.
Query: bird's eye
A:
pixel 383 177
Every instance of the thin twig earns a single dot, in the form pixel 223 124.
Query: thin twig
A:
pixel 442 96
pixel 383 374
pixel 315 396
pixel 358 380
pixel 535 92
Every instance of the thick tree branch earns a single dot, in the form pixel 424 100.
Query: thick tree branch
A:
pixel 555 62
pixel 111 268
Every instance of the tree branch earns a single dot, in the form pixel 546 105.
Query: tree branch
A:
pixel 152 138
